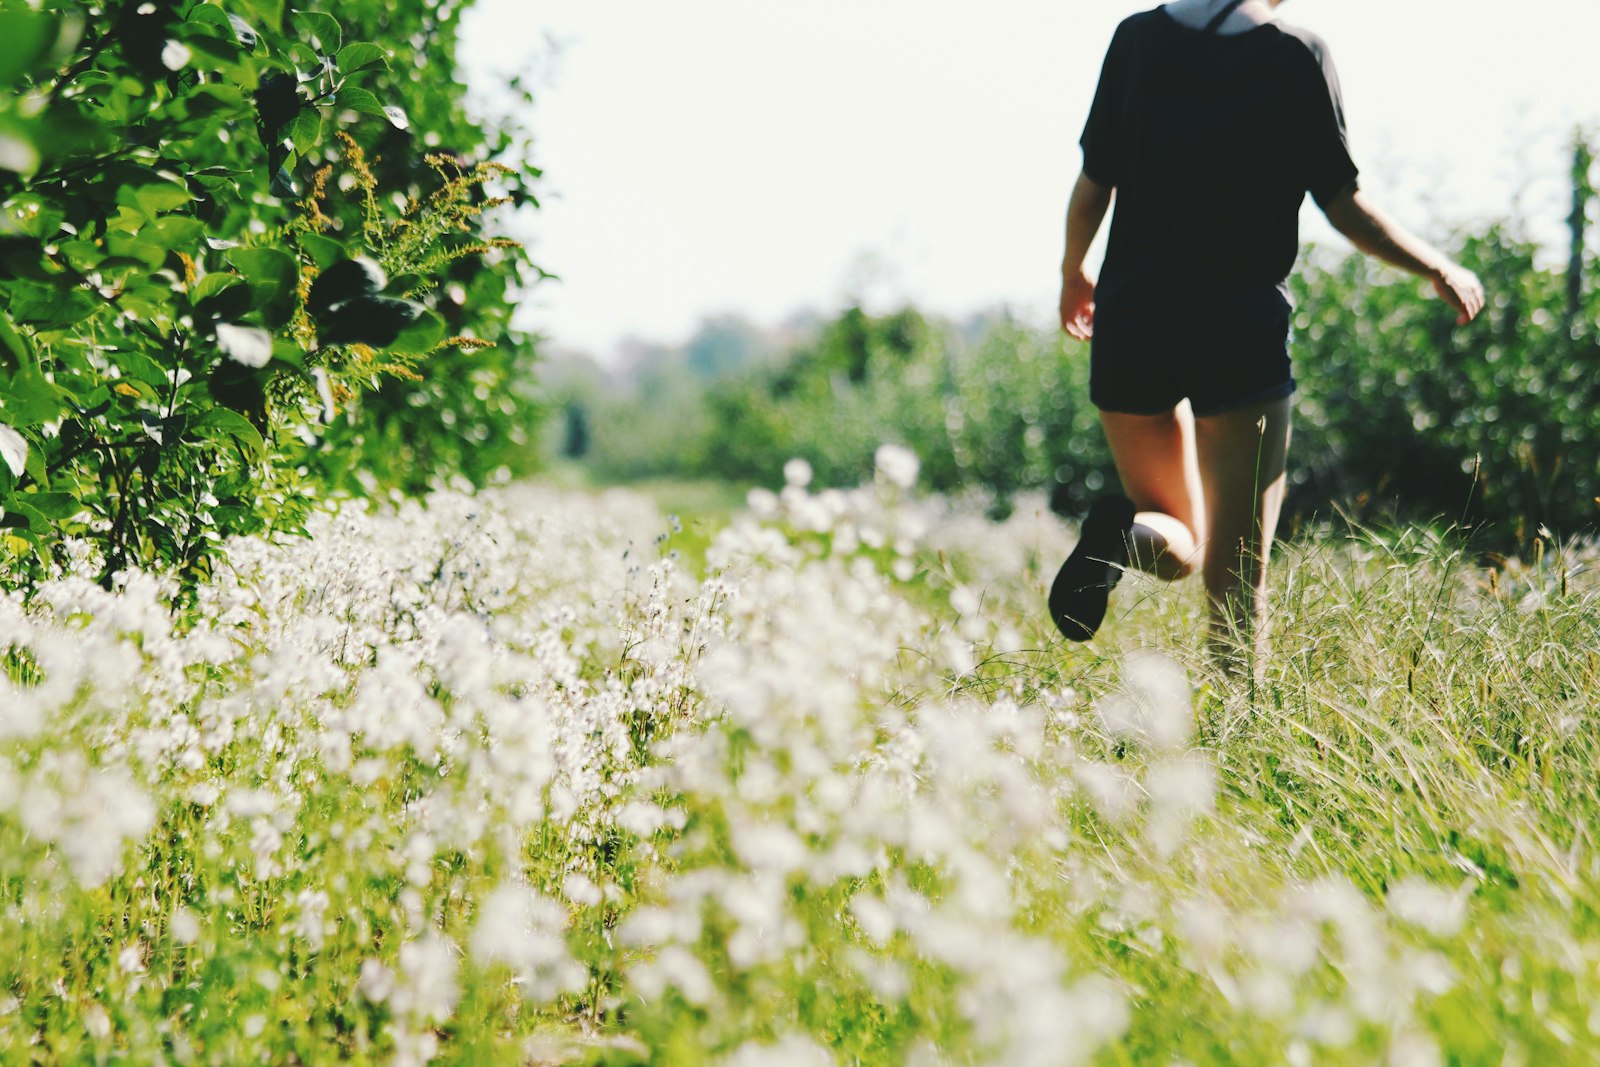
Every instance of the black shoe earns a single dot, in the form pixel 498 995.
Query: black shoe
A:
pixel 1083 585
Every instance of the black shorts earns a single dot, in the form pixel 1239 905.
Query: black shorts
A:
pixel 1221 353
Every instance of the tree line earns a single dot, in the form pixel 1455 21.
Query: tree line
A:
pixel 1401 414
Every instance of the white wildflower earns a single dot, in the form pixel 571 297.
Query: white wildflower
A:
pixel 674 968
pixel 310 924
pixel 376 981
pixel 426 986
pixel 1414 1050
pixel 581 890
pixel 874 916
pixel 763 503
pixel 1180 790
pixel 184 926
pixel 1155 707
pixel 97 1021
pixel 523 930
pixel 794 1050
pixel 1111 790
pixel 1430 907
pixel 897 465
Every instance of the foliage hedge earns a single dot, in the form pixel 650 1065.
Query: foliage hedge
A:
pixel 244 265
pixel 1495 425
pixel 1400 413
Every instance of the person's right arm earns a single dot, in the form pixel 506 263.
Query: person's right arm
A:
pixel 1085 211
pixel 1376 234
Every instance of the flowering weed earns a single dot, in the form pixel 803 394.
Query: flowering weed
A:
pixel 493 778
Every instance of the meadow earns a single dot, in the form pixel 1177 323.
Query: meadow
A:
pixel 533 776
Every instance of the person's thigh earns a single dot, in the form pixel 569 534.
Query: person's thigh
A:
pixel 1155 458
pixel 1242 456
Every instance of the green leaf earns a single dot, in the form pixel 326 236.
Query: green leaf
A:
pixel 56 507
pixel 178 234
pixel 35 216
pixel 85 257
pixel 220 423
pixel 18 152
pixel 26 38
pixel 287 355
pixel 306 130
pixel 16 343
pixel 151 253
pixel 250 346
pixel 359 55
pixel 212 285
pixel 243 32
pixel 283 184
pixel 155 198
pixel 37 468
pixel 30 399
pixel 221 296
pixel 13 449
pixel 397 118
pixel 323 29
pixel 26 521
pixel 421 335
pixel 274 276
pixel 268 12
pixel 138 367
pixel 211 98
pixel 361 101
pixel 215 53
pixel 324 251
pixel 51 307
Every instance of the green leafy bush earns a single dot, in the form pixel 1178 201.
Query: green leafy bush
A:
pixel 1004 412
pixel 1401 414
pixel 1493 424
pixel 237 239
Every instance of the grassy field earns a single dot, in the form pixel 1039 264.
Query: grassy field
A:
pixel 543 776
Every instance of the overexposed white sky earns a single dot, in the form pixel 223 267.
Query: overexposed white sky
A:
pixel 761 156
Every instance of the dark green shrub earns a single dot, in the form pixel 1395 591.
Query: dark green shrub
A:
pixel 175 177
pixel 1405 413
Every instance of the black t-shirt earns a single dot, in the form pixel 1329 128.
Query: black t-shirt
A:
pixel 1212 143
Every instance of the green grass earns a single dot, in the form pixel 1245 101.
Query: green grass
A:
pixel 1381 854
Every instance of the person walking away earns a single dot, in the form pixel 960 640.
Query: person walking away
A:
pixel 1211 122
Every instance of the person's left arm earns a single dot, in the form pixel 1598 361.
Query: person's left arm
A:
pixel 1086 209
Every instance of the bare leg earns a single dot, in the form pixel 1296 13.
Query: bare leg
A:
pixel 1156 460
pixel 1242 457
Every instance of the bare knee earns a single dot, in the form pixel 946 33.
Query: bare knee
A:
pixel 1164 546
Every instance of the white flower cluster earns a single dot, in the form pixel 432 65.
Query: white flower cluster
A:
pixel 491 739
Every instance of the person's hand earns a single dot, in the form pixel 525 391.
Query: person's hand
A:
pixel 1077 305
pixel 1460 288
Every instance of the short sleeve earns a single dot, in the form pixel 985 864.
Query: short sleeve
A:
pixel 1329 170
pixel 1102 134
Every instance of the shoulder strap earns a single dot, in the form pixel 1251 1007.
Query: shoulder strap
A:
pixel 1222 16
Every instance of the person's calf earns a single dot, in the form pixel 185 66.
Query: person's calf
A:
pixel 1236 639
